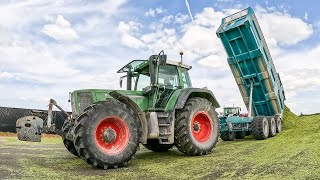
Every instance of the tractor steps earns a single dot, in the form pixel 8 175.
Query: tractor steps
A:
pixel 165 128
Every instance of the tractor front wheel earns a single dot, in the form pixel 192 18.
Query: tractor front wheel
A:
pixel 196 127
pixel 107 134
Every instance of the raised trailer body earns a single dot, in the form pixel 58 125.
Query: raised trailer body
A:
pixel 253 69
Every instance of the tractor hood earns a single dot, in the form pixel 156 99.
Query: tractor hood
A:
pixel 81 99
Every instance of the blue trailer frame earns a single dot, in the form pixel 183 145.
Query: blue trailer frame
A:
pixel 255 74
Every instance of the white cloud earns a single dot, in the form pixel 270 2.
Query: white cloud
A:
pixel 127 34
pixel 153 12
pixel 167 19
pixel 283 28
pixel 6 75
pixel 60 30
pixel 33 70
pixel 214 61
pixel 180 18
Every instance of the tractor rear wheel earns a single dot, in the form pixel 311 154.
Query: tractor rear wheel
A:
pixel 68 143
pixel 241 134
pixel 196 127
pixel 107 134
pixel 272 127
pixel 227 136
pixel 260 127
pixel 278 124
pixel 155 146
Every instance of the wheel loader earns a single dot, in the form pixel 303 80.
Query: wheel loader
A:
pixel 159 109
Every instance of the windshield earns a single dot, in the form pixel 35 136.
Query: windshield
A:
pixel 168 76
pixel 228 111
pixel 132 65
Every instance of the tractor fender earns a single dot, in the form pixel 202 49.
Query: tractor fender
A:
pixel 137 110
pixel 187 93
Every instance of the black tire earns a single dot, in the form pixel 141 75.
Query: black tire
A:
pixel 260 127
pixel 68 143
pixel 107 134
pixel 196 127
pixel 278 124
pixel 241 134
pixel 155 146
pixel 227 136
pixel 272 126
pixel 248 133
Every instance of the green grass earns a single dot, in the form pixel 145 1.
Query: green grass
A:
pixel 292 154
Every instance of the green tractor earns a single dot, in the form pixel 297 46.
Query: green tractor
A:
pixel 158 109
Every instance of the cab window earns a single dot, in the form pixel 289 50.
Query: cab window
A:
pixel 143 81
pixel 185 78
pixel 168 76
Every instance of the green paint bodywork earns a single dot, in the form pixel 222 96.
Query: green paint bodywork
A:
pixel 103 94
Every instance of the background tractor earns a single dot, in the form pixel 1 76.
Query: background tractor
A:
pixel 159 109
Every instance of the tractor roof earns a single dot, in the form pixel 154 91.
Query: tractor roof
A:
pixel 137 65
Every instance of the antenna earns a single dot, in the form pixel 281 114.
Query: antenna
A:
pixel 181 54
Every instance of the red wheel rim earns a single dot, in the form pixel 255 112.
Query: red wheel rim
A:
pixel 112 135
pixel 201 126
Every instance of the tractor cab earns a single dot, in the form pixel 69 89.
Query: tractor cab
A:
pixel 158 78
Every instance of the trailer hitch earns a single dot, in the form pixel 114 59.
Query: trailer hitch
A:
pixel 30 128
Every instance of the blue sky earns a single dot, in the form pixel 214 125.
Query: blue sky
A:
pixel 49 48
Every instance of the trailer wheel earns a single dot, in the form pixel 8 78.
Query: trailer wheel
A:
pixel 155 146
pixel 227 136
pixel 248 133
pixel 107 134
pixel 196 127
pixel 278 124
pixel 241 134
pixel 68 143
pixel 272 126
pixel 260 127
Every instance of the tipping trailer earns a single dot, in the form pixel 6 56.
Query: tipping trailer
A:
pixel 255 74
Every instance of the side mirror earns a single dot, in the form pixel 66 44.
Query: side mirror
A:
pixel 163 59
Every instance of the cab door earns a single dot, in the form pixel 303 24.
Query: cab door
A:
pixel 167 83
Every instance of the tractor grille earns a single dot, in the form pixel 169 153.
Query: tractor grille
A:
pixel 84 100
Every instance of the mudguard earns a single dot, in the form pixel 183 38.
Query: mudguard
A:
pixel 137 110
pixel 187 93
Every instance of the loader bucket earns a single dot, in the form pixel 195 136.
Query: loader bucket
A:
pixel 29 128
